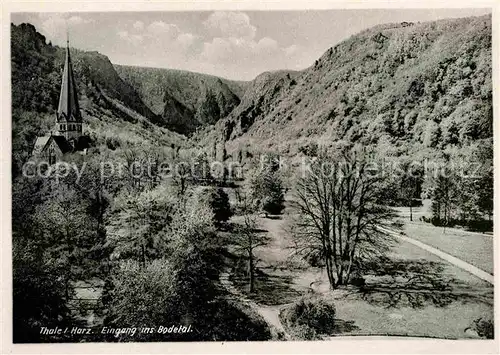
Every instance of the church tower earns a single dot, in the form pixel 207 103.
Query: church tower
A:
pixel 68 119
pixel 67 137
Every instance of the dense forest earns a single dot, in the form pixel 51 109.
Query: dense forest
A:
pixel 398 95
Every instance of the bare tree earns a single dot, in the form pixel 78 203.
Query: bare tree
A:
pixel 338 211
pixel 134 164
pixel 247 238
pixel 182 172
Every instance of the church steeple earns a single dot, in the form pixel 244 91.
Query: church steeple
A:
pixel 69 119
pixel 67 136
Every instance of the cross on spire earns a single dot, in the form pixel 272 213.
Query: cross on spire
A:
pixel 68 109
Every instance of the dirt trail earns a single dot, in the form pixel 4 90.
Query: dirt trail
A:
pixel 445 256
pixel 269 313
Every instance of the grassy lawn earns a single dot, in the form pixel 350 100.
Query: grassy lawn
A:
pixel 447 317
pixel 417 212
pixel 476 249
pixel 441 303
pixel 439 322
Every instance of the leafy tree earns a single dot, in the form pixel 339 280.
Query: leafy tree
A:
pixel 409 182
pixel 69 234
pixel 266 189
pixel 39 294
pixel 142 296
pixel 444 199
pixel 218 200
pixel 139 224
pixel 201 169
pixel 183 289
pixel 57 241
pixel 181 173
pixel 462 191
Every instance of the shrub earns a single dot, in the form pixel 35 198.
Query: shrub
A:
pixel 480 226
pixel 142 296
pixel 112 143
pixel 358 281
pixel 266 189
pixel 304 332
pixel 311 317
pixel 273 204
pixel 484 327
pixel 310 149
pixel 218 201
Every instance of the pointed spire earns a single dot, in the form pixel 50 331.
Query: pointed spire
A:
pixel 68 108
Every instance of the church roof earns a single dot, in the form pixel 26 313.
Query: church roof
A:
pixel 42 142
pixel 63 144
pixel 68 108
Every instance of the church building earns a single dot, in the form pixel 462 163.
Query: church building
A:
pixel 67 135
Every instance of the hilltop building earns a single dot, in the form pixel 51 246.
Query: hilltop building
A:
pixel 67 135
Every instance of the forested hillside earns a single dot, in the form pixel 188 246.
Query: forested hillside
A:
pixel 113 112
pixel 417 94
pixel 184 100
pixel 405 86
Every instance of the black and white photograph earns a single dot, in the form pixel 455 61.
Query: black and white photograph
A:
pixel 251 175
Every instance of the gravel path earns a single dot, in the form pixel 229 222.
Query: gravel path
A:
pixel 269 313
pixel 445 256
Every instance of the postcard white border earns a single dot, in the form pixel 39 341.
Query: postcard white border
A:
pixel 344 345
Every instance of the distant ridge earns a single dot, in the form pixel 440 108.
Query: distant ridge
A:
pixel 417 88
pixel 184 100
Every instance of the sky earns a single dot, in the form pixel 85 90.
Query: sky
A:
pixel 231 44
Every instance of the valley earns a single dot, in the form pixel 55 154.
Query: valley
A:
pixel 350 198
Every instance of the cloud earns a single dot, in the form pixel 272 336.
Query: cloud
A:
pixel 160 28
pixel 189 43
pixel 55 25
pixel 291 50
pixel 186 39
pixel 230 24
pixel 132 38
pixel 77 20
pixel 266 44
pixel 138 25
pixel 219 49
pixel 162 40
pixel 233 50
pixel 237 49
pixel 235 42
